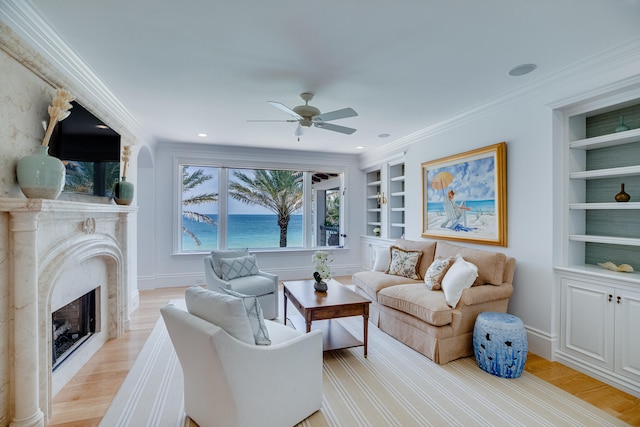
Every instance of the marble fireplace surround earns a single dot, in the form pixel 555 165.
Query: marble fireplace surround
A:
pixel 59 250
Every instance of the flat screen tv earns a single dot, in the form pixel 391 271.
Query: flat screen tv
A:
pixel 90 151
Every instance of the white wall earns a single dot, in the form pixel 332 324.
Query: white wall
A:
pixel 160 267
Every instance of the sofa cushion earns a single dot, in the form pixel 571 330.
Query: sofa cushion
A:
pixel 418 301
pixel 382 258
pixel 428 248
pixel 243 266
pixel 436 271
pixel 254 313
pixel 371 282
pixel 490 264
pixel 222 310
pixel 459 277
pixel 404 263
pixel 253 285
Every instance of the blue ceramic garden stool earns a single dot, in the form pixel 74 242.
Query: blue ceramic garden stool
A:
pixel 500 344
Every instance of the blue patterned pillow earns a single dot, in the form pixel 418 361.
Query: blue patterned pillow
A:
pixel 405 263
pixel 233 268
pixel 254 313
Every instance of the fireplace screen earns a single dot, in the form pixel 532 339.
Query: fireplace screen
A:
pixel 72 325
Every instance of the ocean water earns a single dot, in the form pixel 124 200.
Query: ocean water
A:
pixel 244 231
pixel 482 206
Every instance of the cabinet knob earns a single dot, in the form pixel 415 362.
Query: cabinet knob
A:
pixel 618 300
pixel 610 297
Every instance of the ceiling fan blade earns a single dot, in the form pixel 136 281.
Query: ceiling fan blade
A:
pixel 279 121
pixel 285 109
pixel 335 115
pixel 335 128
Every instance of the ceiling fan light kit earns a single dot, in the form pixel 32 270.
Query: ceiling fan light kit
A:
pixel 307 115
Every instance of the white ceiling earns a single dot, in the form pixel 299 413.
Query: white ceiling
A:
pixel 209 66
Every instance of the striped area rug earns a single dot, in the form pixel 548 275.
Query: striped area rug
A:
pixel 394 386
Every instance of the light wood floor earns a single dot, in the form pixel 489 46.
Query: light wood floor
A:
pixel 85 399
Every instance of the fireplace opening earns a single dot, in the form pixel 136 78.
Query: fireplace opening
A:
pixel 72 325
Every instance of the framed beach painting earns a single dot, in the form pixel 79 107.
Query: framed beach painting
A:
pixel 464 196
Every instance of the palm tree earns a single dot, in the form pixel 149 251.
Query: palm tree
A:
pixel 278 191
pixel 189 182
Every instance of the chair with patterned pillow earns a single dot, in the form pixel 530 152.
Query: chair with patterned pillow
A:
pixel 237 270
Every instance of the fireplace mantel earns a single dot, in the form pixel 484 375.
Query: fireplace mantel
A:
pixel 47 240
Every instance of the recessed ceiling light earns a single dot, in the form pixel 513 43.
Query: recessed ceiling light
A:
pixel 202 135
pixel 384 135
pixel 360 147
pixel 523 69
pixel 102 126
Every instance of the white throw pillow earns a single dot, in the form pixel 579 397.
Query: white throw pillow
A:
pixel 436 271
pixel 459 277
pixel 243 266
pixel 225 311
pixel 382 258
pixel 255 315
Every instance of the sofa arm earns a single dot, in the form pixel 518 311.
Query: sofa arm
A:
pixel 485 293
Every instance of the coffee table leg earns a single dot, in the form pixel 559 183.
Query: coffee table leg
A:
pixel 285 309
pixel 307 320
pixel 365 319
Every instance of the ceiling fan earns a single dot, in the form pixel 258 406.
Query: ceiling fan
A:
pixel 307 115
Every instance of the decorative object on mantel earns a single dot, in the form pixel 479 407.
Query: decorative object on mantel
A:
pixel 625 268
pixel 320 285
pixel 622 196
pixel 622 127
pixel 376 231
pixel 40 175
pixel 123 189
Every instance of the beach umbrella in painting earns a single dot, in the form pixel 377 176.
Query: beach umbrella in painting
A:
pixel 441 181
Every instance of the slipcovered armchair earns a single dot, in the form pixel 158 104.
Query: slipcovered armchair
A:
pixel 228 382
pixel 236 270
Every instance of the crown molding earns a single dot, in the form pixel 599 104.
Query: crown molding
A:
pixel 624 56
pixel 26 36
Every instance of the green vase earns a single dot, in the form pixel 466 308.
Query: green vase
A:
pixel 622 127
pixel 123 191
pixel 41 176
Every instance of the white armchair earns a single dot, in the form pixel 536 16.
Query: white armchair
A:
pixel 262 284
pixel 230 383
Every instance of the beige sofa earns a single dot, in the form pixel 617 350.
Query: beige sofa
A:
pixel 421 318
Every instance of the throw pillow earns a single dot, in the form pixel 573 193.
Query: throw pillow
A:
pixel 218 254
pixel 232 268
pixel 382 258
pixel 254 313
pixel 225 311
pixel 459 277
pixel 404 263
pixel 436 271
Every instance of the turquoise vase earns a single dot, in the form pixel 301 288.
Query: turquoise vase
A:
pixel 622 127
pixel 123 191
pixel 41 176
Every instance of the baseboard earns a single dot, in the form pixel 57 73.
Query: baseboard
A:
pixel 609 377
pixel 541 343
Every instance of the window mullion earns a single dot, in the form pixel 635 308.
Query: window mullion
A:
pixel 307 211
pixel 223 207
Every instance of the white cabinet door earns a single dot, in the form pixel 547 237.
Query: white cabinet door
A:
pixel 627 334
pixel 588 321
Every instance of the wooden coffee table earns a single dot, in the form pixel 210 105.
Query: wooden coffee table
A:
pixel 338 301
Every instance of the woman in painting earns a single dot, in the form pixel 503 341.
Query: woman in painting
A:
pixel 454 211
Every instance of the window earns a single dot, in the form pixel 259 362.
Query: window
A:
pixel 258 208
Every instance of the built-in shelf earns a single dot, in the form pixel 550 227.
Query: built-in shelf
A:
pixel 605 206
pixel 608 140
pixel 626 241
pixel 606 173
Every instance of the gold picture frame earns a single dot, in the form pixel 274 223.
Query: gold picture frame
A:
pixel 464 196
